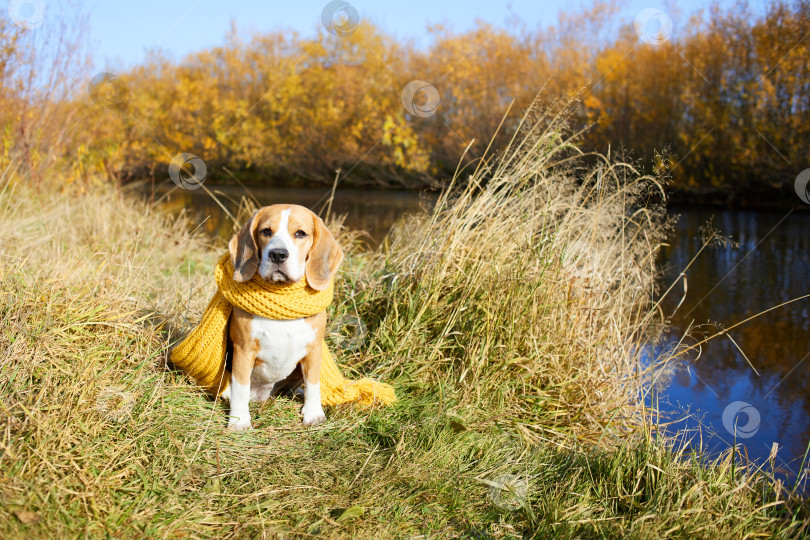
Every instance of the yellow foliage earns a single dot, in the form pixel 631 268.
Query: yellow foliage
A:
pixel 725 97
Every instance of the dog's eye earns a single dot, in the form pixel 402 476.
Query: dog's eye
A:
pixel 300 234
pixel 267 232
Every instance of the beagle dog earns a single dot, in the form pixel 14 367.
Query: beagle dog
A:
pixel 284 243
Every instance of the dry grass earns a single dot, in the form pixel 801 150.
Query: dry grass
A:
pixel 529 291
pixel 506 318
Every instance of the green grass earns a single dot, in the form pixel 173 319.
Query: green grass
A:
pixel 505 318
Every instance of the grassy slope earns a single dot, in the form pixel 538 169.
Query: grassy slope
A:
pixel 507 340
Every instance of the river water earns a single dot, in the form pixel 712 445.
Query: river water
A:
pixel 751 382
pixel 372 211
pixel 749 385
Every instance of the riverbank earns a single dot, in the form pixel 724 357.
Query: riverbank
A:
pixel 772 198
pixel 784 198
pixel 504 317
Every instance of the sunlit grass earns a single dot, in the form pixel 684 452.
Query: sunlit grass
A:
pixel 507 318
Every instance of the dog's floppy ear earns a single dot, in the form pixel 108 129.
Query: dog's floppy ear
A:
pixel 245 251
pixel 323 258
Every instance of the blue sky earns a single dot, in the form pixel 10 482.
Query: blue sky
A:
pixel 122 31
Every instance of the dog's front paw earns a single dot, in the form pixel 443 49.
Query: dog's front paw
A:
pixel 239 425
pixel 239 422
pixel 313 416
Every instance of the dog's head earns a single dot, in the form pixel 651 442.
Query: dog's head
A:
pixel 284 243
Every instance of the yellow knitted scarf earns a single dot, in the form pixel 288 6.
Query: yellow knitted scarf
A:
pixel 201 355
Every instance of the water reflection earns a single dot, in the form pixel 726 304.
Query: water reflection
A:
pixel 372 211
pixel 727 284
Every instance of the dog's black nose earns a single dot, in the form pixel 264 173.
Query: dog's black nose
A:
pixel 278 256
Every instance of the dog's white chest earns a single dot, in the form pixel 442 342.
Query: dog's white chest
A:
pixel 282 345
